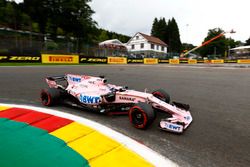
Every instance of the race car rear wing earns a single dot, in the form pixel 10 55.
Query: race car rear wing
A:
pixel 57 78
pixel 56 81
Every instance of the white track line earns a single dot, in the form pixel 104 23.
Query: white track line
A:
pixel 148 154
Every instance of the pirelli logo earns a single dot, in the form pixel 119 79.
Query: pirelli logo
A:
pixel 117 60
pixel 67 59
pixel 60 59
pixel 150 61
pixel 174 61
pixel 219 61
pixel 244 61
pixel 192 61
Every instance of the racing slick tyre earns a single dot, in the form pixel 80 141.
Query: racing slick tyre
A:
pixel 162 95
pixel 50 96
pixel 141 115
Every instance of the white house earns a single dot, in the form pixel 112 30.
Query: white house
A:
pixel 146 46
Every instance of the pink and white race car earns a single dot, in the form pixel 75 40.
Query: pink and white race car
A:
pixel 95 94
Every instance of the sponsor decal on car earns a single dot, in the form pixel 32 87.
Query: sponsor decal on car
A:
pixel 127 98
pixel 187 118
pixel 86 77
pixel 89 99
pixel 171 126
pixel 74 79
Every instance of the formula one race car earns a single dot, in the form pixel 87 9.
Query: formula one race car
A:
pixel 95 94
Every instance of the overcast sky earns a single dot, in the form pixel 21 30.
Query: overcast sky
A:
pixel 194 17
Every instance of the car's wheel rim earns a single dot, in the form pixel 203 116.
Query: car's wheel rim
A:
pixel 137 117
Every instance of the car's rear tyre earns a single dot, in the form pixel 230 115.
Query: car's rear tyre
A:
pixel 50 96
pixel 141 115
pixel 162 95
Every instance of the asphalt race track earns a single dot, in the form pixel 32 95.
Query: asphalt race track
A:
pixel 219 99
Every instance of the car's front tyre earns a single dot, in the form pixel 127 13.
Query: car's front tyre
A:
pixel 141 115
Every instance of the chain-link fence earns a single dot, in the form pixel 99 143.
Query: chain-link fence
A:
pixel 24 43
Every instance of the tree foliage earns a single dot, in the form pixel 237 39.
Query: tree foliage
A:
pixel 247 42
pixel 55 17
pixel 105 35
pixel 174 36
pixel 167 32
pixel 219 46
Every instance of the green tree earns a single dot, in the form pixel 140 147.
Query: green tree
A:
pixel 103 36
pixel 2 11
pixel 168 33
pixel 159 29
pixel 216 47
pixel 174 42
pixel 187 46
pixel 154 29
pixel 247 42
pixel 38 11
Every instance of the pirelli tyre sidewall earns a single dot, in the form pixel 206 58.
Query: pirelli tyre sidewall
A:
pixel 141 115
pixel 50 96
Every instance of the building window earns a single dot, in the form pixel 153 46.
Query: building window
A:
pixel 162 48
pixel 133 46
pixel 157 47
pixel 137 37
pixel 152 46
pixel 142 45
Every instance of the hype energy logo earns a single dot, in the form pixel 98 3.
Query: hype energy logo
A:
pixel 89 99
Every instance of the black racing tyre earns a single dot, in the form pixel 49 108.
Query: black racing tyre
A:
pixel 141 115
pixel 162 95
pixel 50 96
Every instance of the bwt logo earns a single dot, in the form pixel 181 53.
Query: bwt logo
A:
pixel 89 99
pixel 174 127
pixel 75 79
